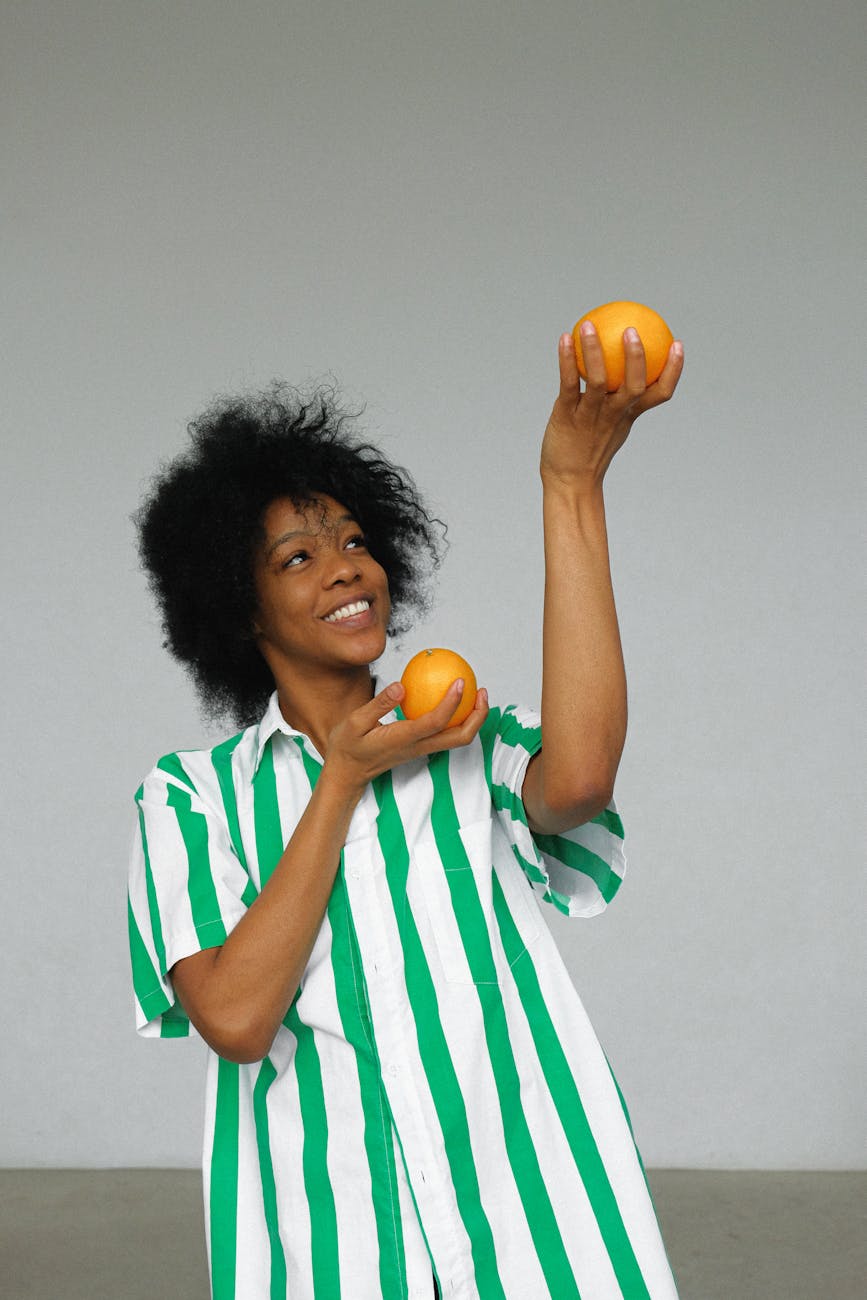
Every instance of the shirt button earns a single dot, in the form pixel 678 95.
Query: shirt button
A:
pixel 394 1071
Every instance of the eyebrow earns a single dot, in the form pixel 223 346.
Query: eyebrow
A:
pixel 303 532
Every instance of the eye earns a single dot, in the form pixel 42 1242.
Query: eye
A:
pixel 292 561
pixel 357 540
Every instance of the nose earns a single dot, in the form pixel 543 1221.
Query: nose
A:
pixel 342 567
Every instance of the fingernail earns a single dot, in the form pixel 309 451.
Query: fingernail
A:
pixel 631 334
pixel 678 348
pixel 588 328
pixel 393 691
pixel 459 682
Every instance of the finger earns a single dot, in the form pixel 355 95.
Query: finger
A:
pixel 594 361
pixel 464 732
pixel 471 724
pixel 663 389
pixel 370 714
pixel 438 718
pixel 635 370
pixel 570 379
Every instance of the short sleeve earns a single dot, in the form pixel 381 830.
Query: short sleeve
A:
pixel 579 871
pixel 187 891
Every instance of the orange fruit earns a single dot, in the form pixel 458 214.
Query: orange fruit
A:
pixel 427 677
pixel 610 321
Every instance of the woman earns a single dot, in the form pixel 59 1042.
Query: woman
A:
pixel 404 1095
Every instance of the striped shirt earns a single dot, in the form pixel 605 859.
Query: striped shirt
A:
pixel 435 1100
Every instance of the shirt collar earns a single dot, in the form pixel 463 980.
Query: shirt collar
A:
pixel 273 721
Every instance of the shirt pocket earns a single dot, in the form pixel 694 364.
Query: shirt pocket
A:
pixel 477 899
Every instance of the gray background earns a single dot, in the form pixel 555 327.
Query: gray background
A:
pixel 417 199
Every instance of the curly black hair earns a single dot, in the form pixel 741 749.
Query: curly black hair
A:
pixel 202 520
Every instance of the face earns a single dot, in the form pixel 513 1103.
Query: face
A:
pixel 323 601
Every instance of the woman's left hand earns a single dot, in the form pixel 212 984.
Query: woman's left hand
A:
pixel 587 429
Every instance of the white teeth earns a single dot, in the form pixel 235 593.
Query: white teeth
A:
pixel 346 611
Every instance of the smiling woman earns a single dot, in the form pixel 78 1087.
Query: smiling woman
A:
pixel 403 1087
pixel 217 505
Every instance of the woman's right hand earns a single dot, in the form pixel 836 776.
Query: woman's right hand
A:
pixel 361 748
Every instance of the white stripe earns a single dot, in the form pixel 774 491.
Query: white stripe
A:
pixel 517 1262
pixel 419 1272
pixel 508 764
pixel 609 1127
pixel 579 1229
pixel 287 1146
pixel 348 1167
pixel 166 846
pixel 253 1254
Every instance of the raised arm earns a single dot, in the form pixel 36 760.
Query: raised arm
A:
pixel 571 779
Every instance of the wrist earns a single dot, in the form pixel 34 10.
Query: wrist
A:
pixel 578 488
pixel 337 787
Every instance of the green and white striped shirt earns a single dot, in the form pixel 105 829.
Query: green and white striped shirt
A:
pixel 435 1099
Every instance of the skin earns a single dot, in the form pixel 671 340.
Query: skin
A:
pixel 313 560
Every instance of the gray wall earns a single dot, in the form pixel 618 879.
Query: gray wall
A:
pixel 418 198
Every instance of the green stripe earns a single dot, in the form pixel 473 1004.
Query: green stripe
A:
pixel 224 1184
pixel 567 1101
pixel 145 979
pixel 172 765
pixel 433 1049
pixel 311 1098
pixel 200 882
pixel 562 902
pixel 502 724
pixel 221 758
pixel 611 821
pixel 266 818
pixel 175 1023
pixel 529 1181
pixel 581 859
pixel 267 1075
pixel 153 905
pixel 531 870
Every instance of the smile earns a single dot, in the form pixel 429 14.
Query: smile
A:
pixel 348 611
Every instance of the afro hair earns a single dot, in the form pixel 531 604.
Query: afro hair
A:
pixel 202 520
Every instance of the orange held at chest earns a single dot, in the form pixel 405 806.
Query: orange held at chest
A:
pixel 427 677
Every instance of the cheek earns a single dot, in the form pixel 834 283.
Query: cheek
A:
pixel 385 596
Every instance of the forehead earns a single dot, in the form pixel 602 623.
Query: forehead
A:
pixel 322 514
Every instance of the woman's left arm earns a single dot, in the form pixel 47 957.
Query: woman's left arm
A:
pixel 571 779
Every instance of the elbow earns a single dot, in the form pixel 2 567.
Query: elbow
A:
pixel 242 1042
pixel 567 806
pixel 239 1050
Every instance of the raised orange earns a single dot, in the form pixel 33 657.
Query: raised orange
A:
pixel 428 676
pixel 610 321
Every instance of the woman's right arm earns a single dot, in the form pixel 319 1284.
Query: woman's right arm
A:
pixel 237 995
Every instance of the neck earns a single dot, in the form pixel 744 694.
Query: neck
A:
pixel 315 706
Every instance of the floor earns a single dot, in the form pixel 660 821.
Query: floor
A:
pixel 138 1234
